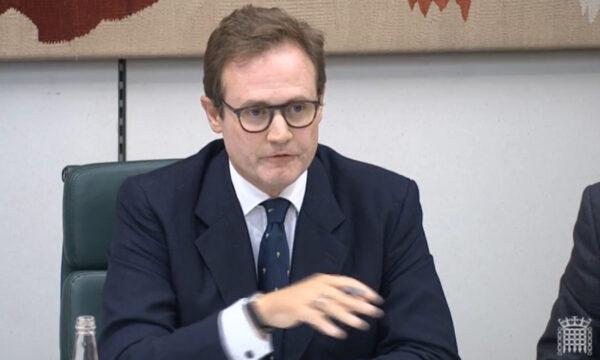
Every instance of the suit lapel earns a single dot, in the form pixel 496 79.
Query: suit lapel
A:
pixel 225 245
pixel 316 248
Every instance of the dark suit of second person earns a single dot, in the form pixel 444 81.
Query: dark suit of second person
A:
pixel 579 292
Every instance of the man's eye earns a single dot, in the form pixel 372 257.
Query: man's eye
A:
pixel 298 107
pixel 256 111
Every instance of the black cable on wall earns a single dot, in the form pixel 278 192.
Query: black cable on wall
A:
pixel 122 103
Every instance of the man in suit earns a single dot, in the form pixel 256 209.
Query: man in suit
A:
pixel 266 243
pixel 579 293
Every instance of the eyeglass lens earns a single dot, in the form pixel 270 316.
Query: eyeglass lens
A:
pixel 297 114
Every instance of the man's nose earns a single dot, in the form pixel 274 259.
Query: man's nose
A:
pixel 279 131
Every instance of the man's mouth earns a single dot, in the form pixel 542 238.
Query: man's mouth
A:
pixel 280 157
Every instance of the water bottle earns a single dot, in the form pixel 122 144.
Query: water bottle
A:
pixel 85 339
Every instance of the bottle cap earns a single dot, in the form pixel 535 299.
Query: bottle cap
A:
pixel 85 323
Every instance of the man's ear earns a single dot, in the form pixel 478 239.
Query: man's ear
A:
pixel 213 114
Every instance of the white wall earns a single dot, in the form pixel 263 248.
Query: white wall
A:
pixel 51 115
pixel 164 115
pixel 501 145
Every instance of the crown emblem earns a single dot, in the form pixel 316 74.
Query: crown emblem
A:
pixel 574 322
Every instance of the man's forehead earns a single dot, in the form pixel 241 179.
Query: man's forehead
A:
pixel 284 60
pixel 285 68
pixel 283 48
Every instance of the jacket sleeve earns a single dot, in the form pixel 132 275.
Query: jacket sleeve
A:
pixel 417 322
pixel 579 291
pixel 139 317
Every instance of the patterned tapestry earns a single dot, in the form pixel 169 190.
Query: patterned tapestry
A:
pixel 81 29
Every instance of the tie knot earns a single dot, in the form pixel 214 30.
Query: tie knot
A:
pixel 276 209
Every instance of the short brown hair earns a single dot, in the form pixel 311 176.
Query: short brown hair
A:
pixel 250 31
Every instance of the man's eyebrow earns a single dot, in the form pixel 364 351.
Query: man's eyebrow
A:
pixel 249 103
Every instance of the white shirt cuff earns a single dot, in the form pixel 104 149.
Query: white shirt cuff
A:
pixel 240 339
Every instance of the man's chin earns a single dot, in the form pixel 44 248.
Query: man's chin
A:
pixel 277 182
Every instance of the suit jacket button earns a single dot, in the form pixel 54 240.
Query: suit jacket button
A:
pixel 249 354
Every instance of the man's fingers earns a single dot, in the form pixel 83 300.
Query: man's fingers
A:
pixel 356 304
pixel 353 304
pixel 320 322
pixel 342 314
pixel 353 287
pixel 353 291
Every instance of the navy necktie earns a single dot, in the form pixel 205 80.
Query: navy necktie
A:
pixel 274 258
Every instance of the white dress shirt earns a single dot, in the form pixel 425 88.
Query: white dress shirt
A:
pixel 239 338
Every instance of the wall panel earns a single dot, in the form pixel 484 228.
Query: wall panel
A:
pixel 51 115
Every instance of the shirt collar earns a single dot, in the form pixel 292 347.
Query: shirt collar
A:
pixel 250 196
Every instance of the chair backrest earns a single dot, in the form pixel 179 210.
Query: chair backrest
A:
pixel 89 204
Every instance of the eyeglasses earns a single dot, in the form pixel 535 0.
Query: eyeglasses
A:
pixel 257 118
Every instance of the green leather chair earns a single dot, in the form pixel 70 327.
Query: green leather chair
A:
pixel 89 200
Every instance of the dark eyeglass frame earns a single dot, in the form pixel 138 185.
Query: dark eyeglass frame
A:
pixel 272 109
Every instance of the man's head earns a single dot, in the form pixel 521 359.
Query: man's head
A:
pixel 250 31
pixel 263 57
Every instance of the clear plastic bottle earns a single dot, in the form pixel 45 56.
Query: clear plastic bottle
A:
pixel 85 339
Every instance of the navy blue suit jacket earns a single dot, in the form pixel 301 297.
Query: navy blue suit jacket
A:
pixel 181 253
pixel 579 293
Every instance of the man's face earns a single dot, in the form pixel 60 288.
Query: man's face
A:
pixel 274 158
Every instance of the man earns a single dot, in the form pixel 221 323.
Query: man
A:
pixel 266 243
pixel 579 294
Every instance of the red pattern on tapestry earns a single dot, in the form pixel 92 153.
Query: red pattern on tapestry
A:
pixel 65 20
pixel 424 5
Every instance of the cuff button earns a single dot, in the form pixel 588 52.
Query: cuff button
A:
pixel 249 354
